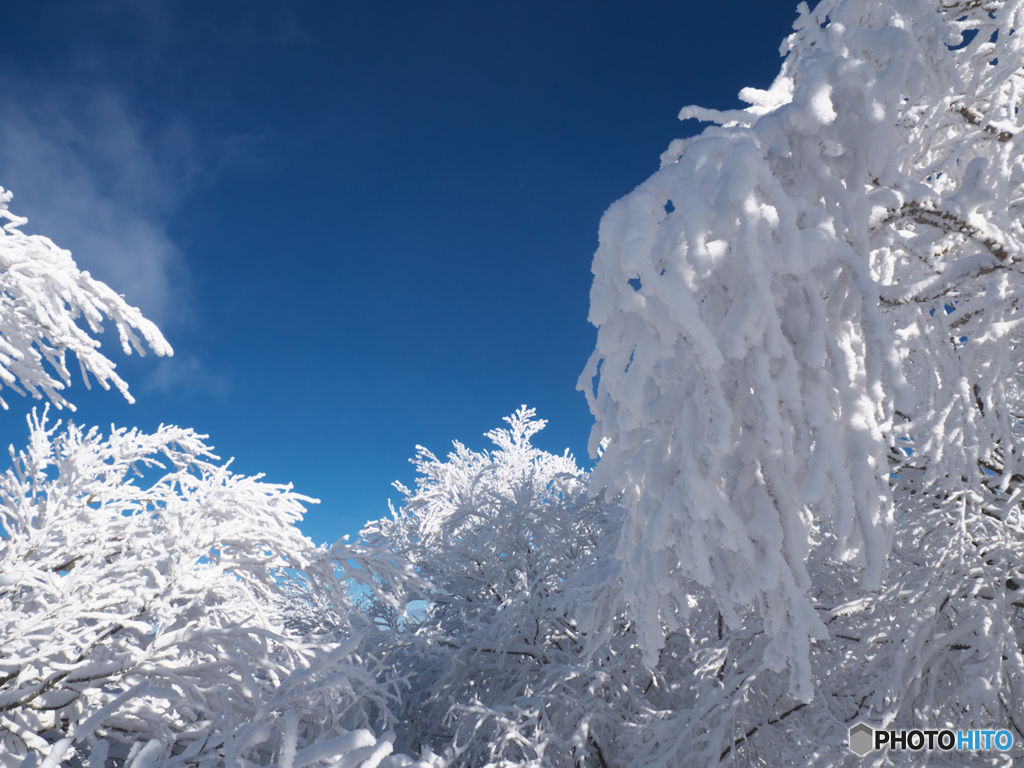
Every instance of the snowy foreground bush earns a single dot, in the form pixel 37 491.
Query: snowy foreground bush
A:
pixel 148 621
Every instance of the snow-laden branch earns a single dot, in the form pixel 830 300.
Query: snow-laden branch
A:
pixel 43 296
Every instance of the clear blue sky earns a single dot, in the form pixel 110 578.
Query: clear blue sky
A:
pixel 362 226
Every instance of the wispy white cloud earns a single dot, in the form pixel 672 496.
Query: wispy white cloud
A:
pixel 95 178
pixel 185 373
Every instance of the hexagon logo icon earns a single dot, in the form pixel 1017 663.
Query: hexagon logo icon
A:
pixel 862 739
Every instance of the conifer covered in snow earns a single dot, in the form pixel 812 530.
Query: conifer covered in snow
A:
pixel 807 376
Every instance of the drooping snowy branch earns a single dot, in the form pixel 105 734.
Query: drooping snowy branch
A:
pixel 842 255
pixel 42 296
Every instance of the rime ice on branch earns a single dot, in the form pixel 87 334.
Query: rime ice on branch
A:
pixel 496 668
pixel 150 615
pixel 802 297
pixel 42 295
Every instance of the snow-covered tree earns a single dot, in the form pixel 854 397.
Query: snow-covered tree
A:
pixel 808 382
pixel 145 619
pixel 496 671
pixel 155 608
pixel 42 295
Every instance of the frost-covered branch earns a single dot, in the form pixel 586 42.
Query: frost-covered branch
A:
pixel 43 296
pixel 496 669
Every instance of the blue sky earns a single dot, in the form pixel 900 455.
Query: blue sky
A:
pixel 362 226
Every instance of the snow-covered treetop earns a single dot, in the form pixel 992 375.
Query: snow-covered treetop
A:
pixel 801 290
pixel 42 295
pixel 495 668
pixel 454 498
